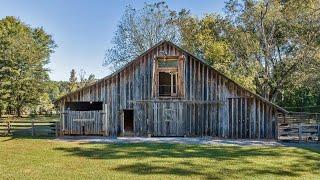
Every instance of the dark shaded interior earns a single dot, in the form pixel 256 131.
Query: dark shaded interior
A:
pixel 84 106
pixel 128 120
pixel 164 84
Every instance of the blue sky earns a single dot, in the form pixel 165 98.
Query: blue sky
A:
pixel 83 29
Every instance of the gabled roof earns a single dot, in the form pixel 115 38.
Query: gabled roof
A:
pixel 186 52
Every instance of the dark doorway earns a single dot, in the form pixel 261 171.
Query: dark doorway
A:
pixel 128 120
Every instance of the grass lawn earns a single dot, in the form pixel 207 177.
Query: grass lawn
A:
pixel 47 159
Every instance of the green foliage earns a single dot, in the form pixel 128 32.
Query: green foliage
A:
pixel 213 39
pixel 73 85
pixel 140 29
pixel 24 52
pixel 282 40
pixel 302 94
pixel 267 46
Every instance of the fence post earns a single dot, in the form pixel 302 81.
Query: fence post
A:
pixel 8 127
pixel 56 129
pixel 319 133
pixel 300 132
pixel 32 127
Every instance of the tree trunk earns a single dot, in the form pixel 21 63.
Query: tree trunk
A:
pixel 18 111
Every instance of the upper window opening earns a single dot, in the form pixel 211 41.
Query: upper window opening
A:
pixel 169 73
pixel 167 63
pixel 164 84
pixel 167 84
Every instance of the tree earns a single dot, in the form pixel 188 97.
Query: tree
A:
pixel 303 94
pixel 73 81
pixel 82 77
pixel 24 52
pixel 209 38
pixel 85 81
pixel 91 79
pixel 140 29
pixel 284 36
pixel 264 45
pixel 56 89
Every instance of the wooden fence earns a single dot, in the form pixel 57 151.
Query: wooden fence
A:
pixel 29 128
pixel 299 132
pixel 300 117
pixel 299 126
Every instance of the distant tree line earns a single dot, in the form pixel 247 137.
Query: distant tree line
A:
pixel 271 47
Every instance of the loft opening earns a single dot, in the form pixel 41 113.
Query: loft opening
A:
pixel 84 106
pixel 169 73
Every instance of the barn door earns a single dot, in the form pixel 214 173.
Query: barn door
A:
pixel 169 116
pixel 172 120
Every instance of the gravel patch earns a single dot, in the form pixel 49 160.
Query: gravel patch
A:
pixel 179 140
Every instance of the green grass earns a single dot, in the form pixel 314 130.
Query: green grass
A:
pixel 47 159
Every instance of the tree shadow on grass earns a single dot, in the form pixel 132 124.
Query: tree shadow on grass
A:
pixel 157 150
pixel 313 147
pixel 180 160
pixel 196 170
pixel 24 136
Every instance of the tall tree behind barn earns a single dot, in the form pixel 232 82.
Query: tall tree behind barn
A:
pixel 140 29
pixel 167 91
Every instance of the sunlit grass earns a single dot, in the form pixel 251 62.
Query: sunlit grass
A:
pixel 48 159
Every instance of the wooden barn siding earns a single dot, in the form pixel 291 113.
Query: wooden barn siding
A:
pixel 237 114
pixel 95 127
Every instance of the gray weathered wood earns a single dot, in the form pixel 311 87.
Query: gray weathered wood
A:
pixel 207 102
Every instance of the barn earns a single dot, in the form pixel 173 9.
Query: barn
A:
pixel 167 91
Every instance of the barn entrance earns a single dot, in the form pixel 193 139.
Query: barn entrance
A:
pixel 128 121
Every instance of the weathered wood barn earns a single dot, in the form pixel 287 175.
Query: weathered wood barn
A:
pixel 167 91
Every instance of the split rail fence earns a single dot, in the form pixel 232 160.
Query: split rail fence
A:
pixel 29 128
pixel 299 126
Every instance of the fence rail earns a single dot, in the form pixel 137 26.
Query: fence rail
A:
pixel 299 132
pixel 33 128
pixel 299 126
pixel 300 117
